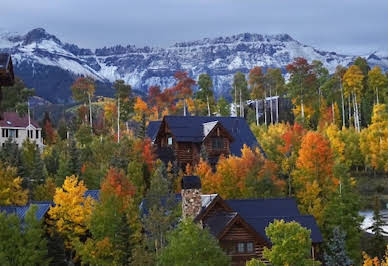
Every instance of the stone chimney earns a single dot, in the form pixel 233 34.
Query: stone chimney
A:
pixel 191 196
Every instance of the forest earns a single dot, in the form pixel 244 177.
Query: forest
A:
pixel 332 157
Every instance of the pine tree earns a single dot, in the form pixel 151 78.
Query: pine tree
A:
pixel 38 173
pixel 335 253
pixel 377 242
pixel 161 206
pixel 74 164
pixel 35 243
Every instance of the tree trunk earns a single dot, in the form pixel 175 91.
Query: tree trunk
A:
pixel 235 99
pixel 350 111
pixel 277 109
pixel 377 95
pixel 257 112
pixel 118 120
pixel 184 107
pixel 332 111
pixel 270 102
pixel 265 108
pixel 343 107
pixel 241 106
pixel 302 108
pixel 90 113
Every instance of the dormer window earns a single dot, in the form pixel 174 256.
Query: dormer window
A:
pixel 169 141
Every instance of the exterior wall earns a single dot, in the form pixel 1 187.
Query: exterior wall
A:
pixel 239 234
pixel 22 136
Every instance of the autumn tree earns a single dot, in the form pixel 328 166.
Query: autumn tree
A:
pixel 83 90
pixel 291 244
pixel 313 177
pixel 239 92
pixel 183 247
pixel 11 191
pixel 301 82
pixel 274 84
pixel 71 212
pixel 110 241
pixel 374 140
pixel 205 93
pixel 353 85
pixel 377 81
pixel 256 84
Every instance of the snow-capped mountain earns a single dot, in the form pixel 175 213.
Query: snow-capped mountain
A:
pixel 50 66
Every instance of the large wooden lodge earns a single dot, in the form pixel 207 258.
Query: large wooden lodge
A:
pixel 181 138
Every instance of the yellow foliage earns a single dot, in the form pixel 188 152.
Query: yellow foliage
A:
pixel 368 261
pixel 11 191
pixel 353 81
pixel 72 211
pixel 140 109
pixel 374 139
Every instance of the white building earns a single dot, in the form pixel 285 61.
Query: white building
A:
pixel 19 129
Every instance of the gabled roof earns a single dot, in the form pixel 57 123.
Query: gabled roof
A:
pixel 13 119
pixel 21 211
pixel 217 223
pixel 265 207
pixel 191 129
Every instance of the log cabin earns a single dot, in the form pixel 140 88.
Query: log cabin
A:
pixel 186 138
pixel 7 77
pixel 239 225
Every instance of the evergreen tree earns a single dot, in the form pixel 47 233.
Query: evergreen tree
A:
pixel 162 212
pixel 51 162
pixel 74 163
pixel 141 133
pixel 62 128
pixel 335 253
pixel 34 248
pixel 377 243
pixel 39 172
pixel 14 98
pixel 190 245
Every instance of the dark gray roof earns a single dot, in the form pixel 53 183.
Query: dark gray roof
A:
pixel 4 60
pixel 265 207
pixel 260 223
pixel 94 194
pixel 217 222
pixel 191 129
pixel 21 211
pixel 191 182
pixel 152 129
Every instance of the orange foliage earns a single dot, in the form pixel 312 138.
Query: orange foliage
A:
pixel 292 138
pixel 117 183
pixel 233 174
pixel 145 150
pixel 50 133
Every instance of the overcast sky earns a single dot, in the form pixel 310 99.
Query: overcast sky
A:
pixel 345 26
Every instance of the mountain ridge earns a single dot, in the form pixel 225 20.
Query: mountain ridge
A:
pixel 50 65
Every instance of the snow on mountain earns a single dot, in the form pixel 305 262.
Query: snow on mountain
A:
pixel 49 65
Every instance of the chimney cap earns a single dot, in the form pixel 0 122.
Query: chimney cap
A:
pixel 191 182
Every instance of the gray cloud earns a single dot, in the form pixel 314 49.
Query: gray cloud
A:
pixel 346 26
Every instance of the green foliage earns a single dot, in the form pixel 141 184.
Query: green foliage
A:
pixel 162 209
pixel 22 245
pixel 223 107
pixel 377 242
pixel 15 97
pixel 190 245
pixel 335 253
pixel 343 211
pixel 291 244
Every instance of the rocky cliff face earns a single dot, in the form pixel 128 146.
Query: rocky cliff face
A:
pixel 50 66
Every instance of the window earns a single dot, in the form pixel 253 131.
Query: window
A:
pixel 217 143
pixel 17 133
pixel 3 132
pixel 12 133
pixel 249 247
pixel 169 141
pixel 241 247
pixel 37 134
